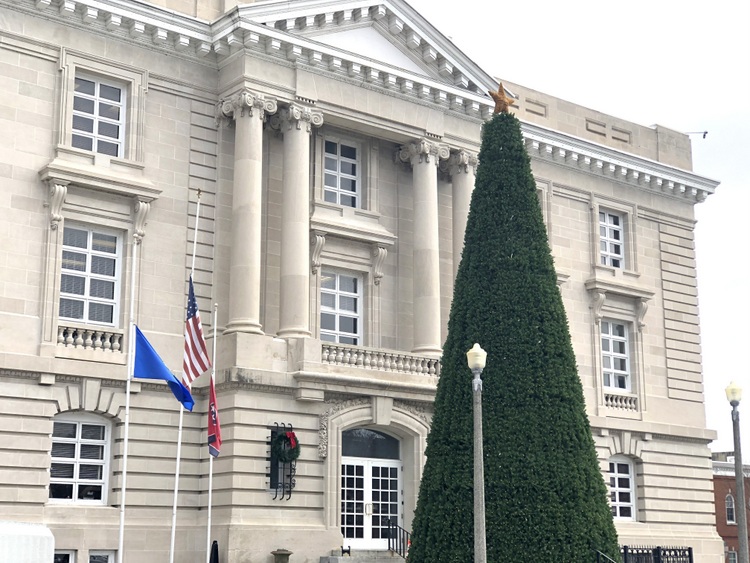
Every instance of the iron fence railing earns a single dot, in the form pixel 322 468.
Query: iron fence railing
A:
pixel 650 554
pixel 398 539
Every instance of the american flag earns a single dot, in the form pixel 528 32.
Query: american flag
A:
pixel 195 359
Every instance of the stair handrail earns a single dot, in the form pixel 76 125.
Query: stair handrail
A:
pixel 607 558
pixel 399 539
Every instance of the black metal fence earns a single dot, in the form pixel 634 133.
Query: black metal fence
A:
pixel 648 554
pixel 398 539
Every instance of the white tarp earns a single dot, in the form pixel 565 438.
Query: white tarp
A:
pixel 21 542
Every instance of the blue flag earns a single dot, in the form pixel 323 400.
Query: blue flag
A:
pixel 148 365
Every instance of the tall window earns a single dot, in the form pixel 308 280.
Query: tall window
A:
pixel 340 307
pixel 731 557
pixel 341 174
pixel 80 448
pixel 98 116
pixel 611 251
pixel 622 488
pixel 615 355
pixel 729 503
pixel 89 285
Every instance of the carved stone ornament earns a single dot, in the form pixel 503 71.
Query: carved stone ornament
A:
pixel 57 193
pixel 459 162
pixel 140 209
pixel 244 104
pixel 317 242
pixel 325 416
pixel 412 408
pixel 423 150
pixel 379 254
pixel 597 300
pixel 641 309
pixel 298 117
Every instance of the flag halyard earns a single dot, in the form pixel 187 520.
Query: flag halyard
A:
pixel 195 360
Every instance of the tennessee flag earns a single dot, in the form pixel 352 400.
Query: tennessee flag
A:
pixel 214 429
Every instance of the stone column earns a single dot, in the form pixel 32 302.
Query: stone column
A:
pixel 423 156
pixel 249 112
pixel 296 122
pixel 462 166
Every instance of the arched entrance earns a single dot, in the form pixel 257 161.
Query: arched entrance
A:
pixel 371 488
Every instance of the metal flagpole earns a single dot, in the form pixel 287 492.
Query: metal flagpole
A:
pixel 131 368
pixel 182 408
pixel 210 457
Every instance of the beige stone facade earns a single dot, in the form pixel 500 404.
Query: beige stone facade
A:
pixel 242 103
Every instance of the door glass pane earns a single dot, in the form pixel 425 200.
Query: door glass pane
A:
pixel 364 442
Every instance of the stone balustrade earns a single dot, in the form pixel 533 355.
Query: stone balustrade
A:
pixel 104 340
pixel 376 359
pixel 621 401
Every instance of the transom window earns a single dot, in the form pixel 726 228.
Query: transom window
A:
pixel 79 460
pixel 621 488
pixel 611 250
pixel 340 316
pixel 98 116
pixel 615 357
pixel 729 503
pixel 89 284
pixel 341 174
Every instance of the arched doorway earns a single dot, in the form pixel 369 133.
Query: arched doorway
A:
pixel 371 488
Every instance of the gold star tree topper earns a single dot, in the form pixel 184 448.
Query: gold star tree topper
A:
pixel 502 102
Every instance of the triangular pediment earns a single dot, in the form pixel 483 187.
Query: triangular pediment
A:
pixel 391 34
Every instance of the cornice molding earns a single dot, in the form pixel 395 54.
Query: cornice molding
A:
pixel 650 175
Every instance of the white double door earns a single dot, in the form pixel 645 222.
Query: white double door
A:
pixel 371 494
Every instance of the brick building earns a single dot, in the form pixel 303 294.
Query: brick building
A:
pixel 727 502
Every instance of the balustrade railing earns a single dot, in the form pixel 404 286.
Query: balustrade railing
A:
pixel 383 360
pixel 619 401
pixel 90 338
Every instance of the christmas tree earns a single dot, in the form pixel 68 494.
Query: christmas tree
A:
pixel 545 496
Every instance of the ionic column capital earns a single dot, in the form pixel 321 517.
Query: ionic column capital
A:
pixel 423 151
pixel 460 162
pixel 245 103
pixel 299 117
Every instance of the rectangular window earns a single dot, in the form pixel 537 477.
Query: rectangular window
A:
pixel 731 557
pixel 90 276
pixel 341 174
pixel 621 488
pixel 615 355
pixel 78 469
pixel 729 502
pixel 98 116
pixel 101 557
pixel 611 240
pixel 64 557
pixel 340 307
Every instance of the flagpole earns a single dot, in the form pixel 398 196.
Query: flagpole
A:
pixel 210 457
pixel 182 408
pixel 130 369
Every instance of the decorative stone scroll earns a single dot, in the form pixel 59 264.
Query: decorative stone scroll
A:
pixel 460 161
pixel 141 209
pixel 297 116
pixel 379 254
pixel 244 103
pixel 317 242
pixel 325 416
pixel 423 151
pixel 57 193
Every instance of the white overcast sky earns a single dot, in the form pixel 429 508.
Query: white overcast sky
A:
pixel 683 64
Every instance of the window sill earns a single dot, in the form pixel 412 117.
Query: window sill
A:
pixel 611 280
pixel 350 223
pixel 99 172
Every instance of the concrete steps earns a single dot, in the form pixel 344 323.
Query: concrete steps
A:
pixel 363 557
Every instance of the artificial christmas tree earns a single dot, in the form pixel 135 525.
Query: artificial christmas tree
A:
pixel 545 497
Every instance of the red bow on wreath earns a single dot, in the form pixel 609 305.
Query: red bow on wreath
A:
pixel 292 437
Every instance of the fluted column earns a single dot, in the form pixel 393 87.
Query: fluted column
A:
pixel 296 122
pixel 249 112
pixel 423 156
pixel 462 167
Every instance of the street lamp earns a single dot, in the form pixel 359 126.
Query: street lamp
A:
pixel 477 358
pixel 734 395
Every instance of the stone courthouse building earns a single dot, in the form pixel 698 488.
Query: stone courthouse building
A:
pixel 334 144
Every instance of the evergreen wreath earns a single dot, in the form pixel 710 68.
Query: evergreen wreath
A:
pixel 285 447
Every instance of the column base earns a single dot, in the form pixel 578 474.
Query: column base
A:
pixel 293 333
pixel 243 325
pixel 428 351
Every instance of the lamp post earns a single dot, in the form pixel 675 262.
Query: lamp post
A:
pixel 734 395
pixel 477 359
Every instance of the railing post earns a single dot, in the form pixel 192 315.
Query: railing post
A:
pixel 625 558
pixel 690 554
pixel 657 554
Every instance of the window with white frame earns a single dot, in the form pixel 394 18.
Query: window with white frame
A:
pixel 622 487
pixel 731 557
pixel 101 557
pixel 80 450
pixel 341 173
pixel 64 557
pixel 98 116
pixel 90 275
pixel 340 307
pixel 729 504
pixel 615 355
pixel 611 239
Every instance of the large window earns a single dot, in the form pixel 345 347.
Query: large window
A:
pixel 611 240
pixel 98 116
pixel 341 174
pixel 622 487
pixel 615 355
pixel 729 503
pixel 89 285
pixel 80 450
pixel 340 307
pixel 731 557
